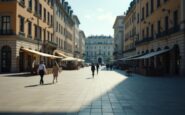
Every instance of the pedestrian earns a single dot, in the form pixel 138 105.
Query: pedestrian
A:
pixel 55 72
pixel 41 71
pixel 97 67
pixel 92 69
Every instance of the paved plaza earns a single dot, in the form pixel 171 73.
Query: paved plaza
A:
pixel 77 93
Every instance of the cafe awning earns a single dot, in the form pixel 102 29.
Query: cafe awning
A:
pixel 40 53
pixel 69 59
pixel 152 54
pixel 129 57
pixel 60 53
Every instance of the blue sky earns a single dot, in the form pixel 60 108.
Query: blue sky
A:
pixel 97 16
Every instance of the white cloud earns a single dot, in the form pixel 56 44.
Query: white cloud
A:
pixel 108 16
pixel 100 10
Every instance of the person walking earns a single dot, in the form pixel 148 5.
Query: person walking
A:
pixel 97 67
pixel 92 69
pixel 41 71
pixel 55 72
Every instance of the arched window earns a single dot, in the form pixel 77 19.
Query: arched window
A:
pixel 6 59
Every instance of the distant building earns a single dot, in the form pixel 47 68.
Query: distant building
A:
pixel 99 49
pixel 118 37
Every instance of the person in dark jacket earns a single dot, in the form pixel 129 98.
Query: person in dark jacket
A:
pixel 97 67
pixel 92 69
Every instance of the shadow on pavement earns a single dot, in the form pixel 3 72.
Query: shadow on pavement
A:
pixel 27 74
pixel 36 85
pixel 131 96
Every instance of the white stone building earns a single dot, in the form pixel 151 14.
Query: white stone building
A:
pixel 118 37
pixel 99 49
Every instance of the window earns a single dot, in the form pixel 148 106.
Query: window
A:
pixel 36 6
pixel 48 36
pixel 152 30
pixel 30 4
pixel 158 3
pixel 143 13
pixel 166 23
pixel 152 6
pixel 175 18
pixel 159 26
pixel 147 32
pixel 29 29
pixel 21 26
pixel 44 14
pixel 48 18
pixel 40 10
pixel 146 9
pixel 5 25
pixel 143 33
pixel 138 18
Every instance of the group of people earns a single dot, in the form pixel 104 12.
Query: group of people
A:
pixel 93 68
pixel 42 71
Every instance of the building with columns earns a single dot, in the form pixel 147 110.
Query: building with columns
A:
pixel 160 37
pixel 118 37
pixel 99 49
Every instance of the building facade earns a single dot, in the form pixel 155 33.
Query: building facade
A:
pixel 82 44
pixel 63 28
pixel 99 49
pixel 118 37
pixel 130 31
pixel 160 40
pixel 76 37
pixel 33 30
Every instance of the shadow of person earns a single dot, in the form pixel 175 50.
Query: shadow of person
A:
pixel 36 85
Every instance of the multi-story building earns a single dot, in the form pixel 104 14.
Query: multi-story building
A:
pixel 99 49
pixel 76 37
pixel 130 31
pixel 63 28
pixel 27 35
pixel 118 37
pixel 23 28
pixel 82 44
pixel 160 43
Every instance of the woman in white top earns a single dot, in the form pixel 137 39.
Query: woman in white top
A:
pixel 41 71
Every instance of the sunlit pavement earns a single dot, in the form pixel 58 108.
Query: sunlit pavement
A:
pixel 77 93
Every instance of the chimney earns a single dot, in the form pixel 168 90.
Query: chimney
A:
pixel 63 2
pixel 66 5
pixel 68 10
pixel 71 12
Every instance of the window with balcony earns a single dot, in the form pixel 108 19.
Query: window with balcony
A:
pixel 5 25
pixel 36 6
pixel 48 18
pixel 147 32
pixel 152 30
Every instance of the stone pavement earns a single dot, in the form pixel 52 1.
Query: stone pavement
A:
pixel 77 93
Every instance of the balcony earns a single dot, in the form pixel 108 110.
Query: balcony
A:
pixel 145 40
pixel 170 31
pixel 51 43
pixel 7 32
